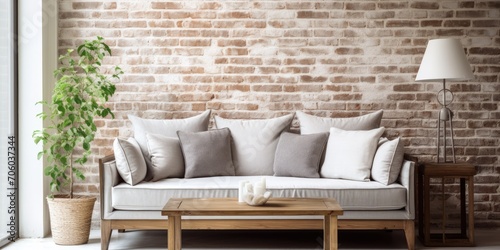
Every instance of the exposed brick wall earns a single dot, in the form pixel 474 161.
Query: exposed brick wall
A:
pixel 260 59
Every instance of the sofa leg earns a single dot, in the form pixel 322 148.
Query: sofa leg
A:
pixel 410 234
pixel 105 234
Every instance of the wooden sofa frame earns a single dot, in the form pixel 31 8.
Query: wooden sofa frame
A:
pixel 107 226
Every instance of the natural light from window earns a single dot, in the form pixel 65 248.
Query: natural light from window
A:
pixel 8 147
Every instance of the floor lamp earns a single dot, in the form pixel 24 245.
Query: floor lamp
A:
pixel 444 59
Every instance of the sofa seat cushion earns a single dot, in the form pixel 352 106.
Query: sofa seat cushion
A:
pixel 351 195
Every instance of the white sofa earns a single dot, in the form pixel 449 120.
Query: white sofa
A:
pixel 367 204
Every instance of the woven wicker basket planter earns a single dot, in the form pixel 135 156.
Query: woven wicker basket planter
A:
pixel 70 219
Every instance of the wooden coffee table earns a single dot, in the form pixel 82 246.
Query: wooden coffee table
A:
pixel 175 208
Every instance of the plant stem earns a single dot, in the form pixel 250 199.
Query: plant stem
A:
pixel 71 176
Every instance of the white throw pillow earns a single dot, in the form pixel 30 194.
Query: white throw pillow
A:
pixel 349 154
pixel 388 160
pixel 310 124
pixel 168 128
pixel 129 160
pixel 254 142
pixel 166 157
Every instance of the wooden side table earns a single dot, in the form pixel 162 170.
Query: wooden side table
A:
pixel 465 172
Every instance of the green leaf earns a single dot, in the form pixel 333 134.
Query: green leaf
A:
pixel 63 160
pixel 67 123
pixel 80 48
pixel 85 68
pixel 37 140
pixel 61 108
pixel 86 146
pixel 47 171
pixel 89 138
pixel 54 187
pixel 68 148
pixel 77 99
pixel 106 47
pixel 79 174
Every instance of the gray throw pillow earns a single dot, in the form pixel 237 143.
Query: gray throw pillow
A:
pixel 310 124
pixel 166 157
pixel 165 127
pixel 207 153
pixel 299 155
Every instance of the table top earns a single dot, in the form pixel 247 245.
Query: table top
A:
pixel 448 169
pixel 231 206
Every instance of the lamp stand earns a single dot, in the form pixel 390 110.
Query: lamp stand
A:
pixel 445 115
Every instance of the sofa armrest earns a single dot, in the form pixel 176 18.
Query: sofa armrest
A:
pixel 108 178
pixel 407 179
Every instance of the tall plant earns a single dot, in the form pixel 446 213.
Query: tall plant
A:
pixel 79 96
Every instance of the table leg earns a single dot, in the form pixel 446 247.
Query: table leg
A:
pixel 330 232
pixel 443 225
pixel 420 200
pixel 471 209
pixel 463 216
pixel 427 210
pixel 174 232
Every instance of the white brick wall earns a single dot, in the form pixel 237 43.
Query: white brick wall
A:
pixel 258 59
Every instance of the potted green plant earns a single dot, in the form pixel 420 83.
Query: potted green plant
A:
pixel 79 96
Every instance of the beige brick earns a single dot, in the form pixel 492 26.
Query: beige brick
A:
pixel 472 14
pixel 234 15
pixel 111 15
pixel 456 23
pixel 109 5
pixel 349 51
pixel 441 14
pixel 267 88
pixel 424 5
pixel 431 23
pixel 360 6
pixel 401 23
pixel 451 32
pixel 380 14
pixel 486 23
pixel 488 4
pixel 308 78
pixel 87 5
pixel 312 14
pixel 299 5
pixel 295 70
pixel 393 5
pixel 166 5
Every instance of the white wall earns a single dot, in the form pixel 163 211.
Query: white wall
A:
pixel 37 59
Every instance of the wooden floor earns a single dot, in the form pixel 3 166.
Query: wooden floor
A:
pixel 238 240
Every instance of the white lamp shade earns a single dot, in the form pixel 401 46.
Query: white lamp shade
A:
pixel 444 59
